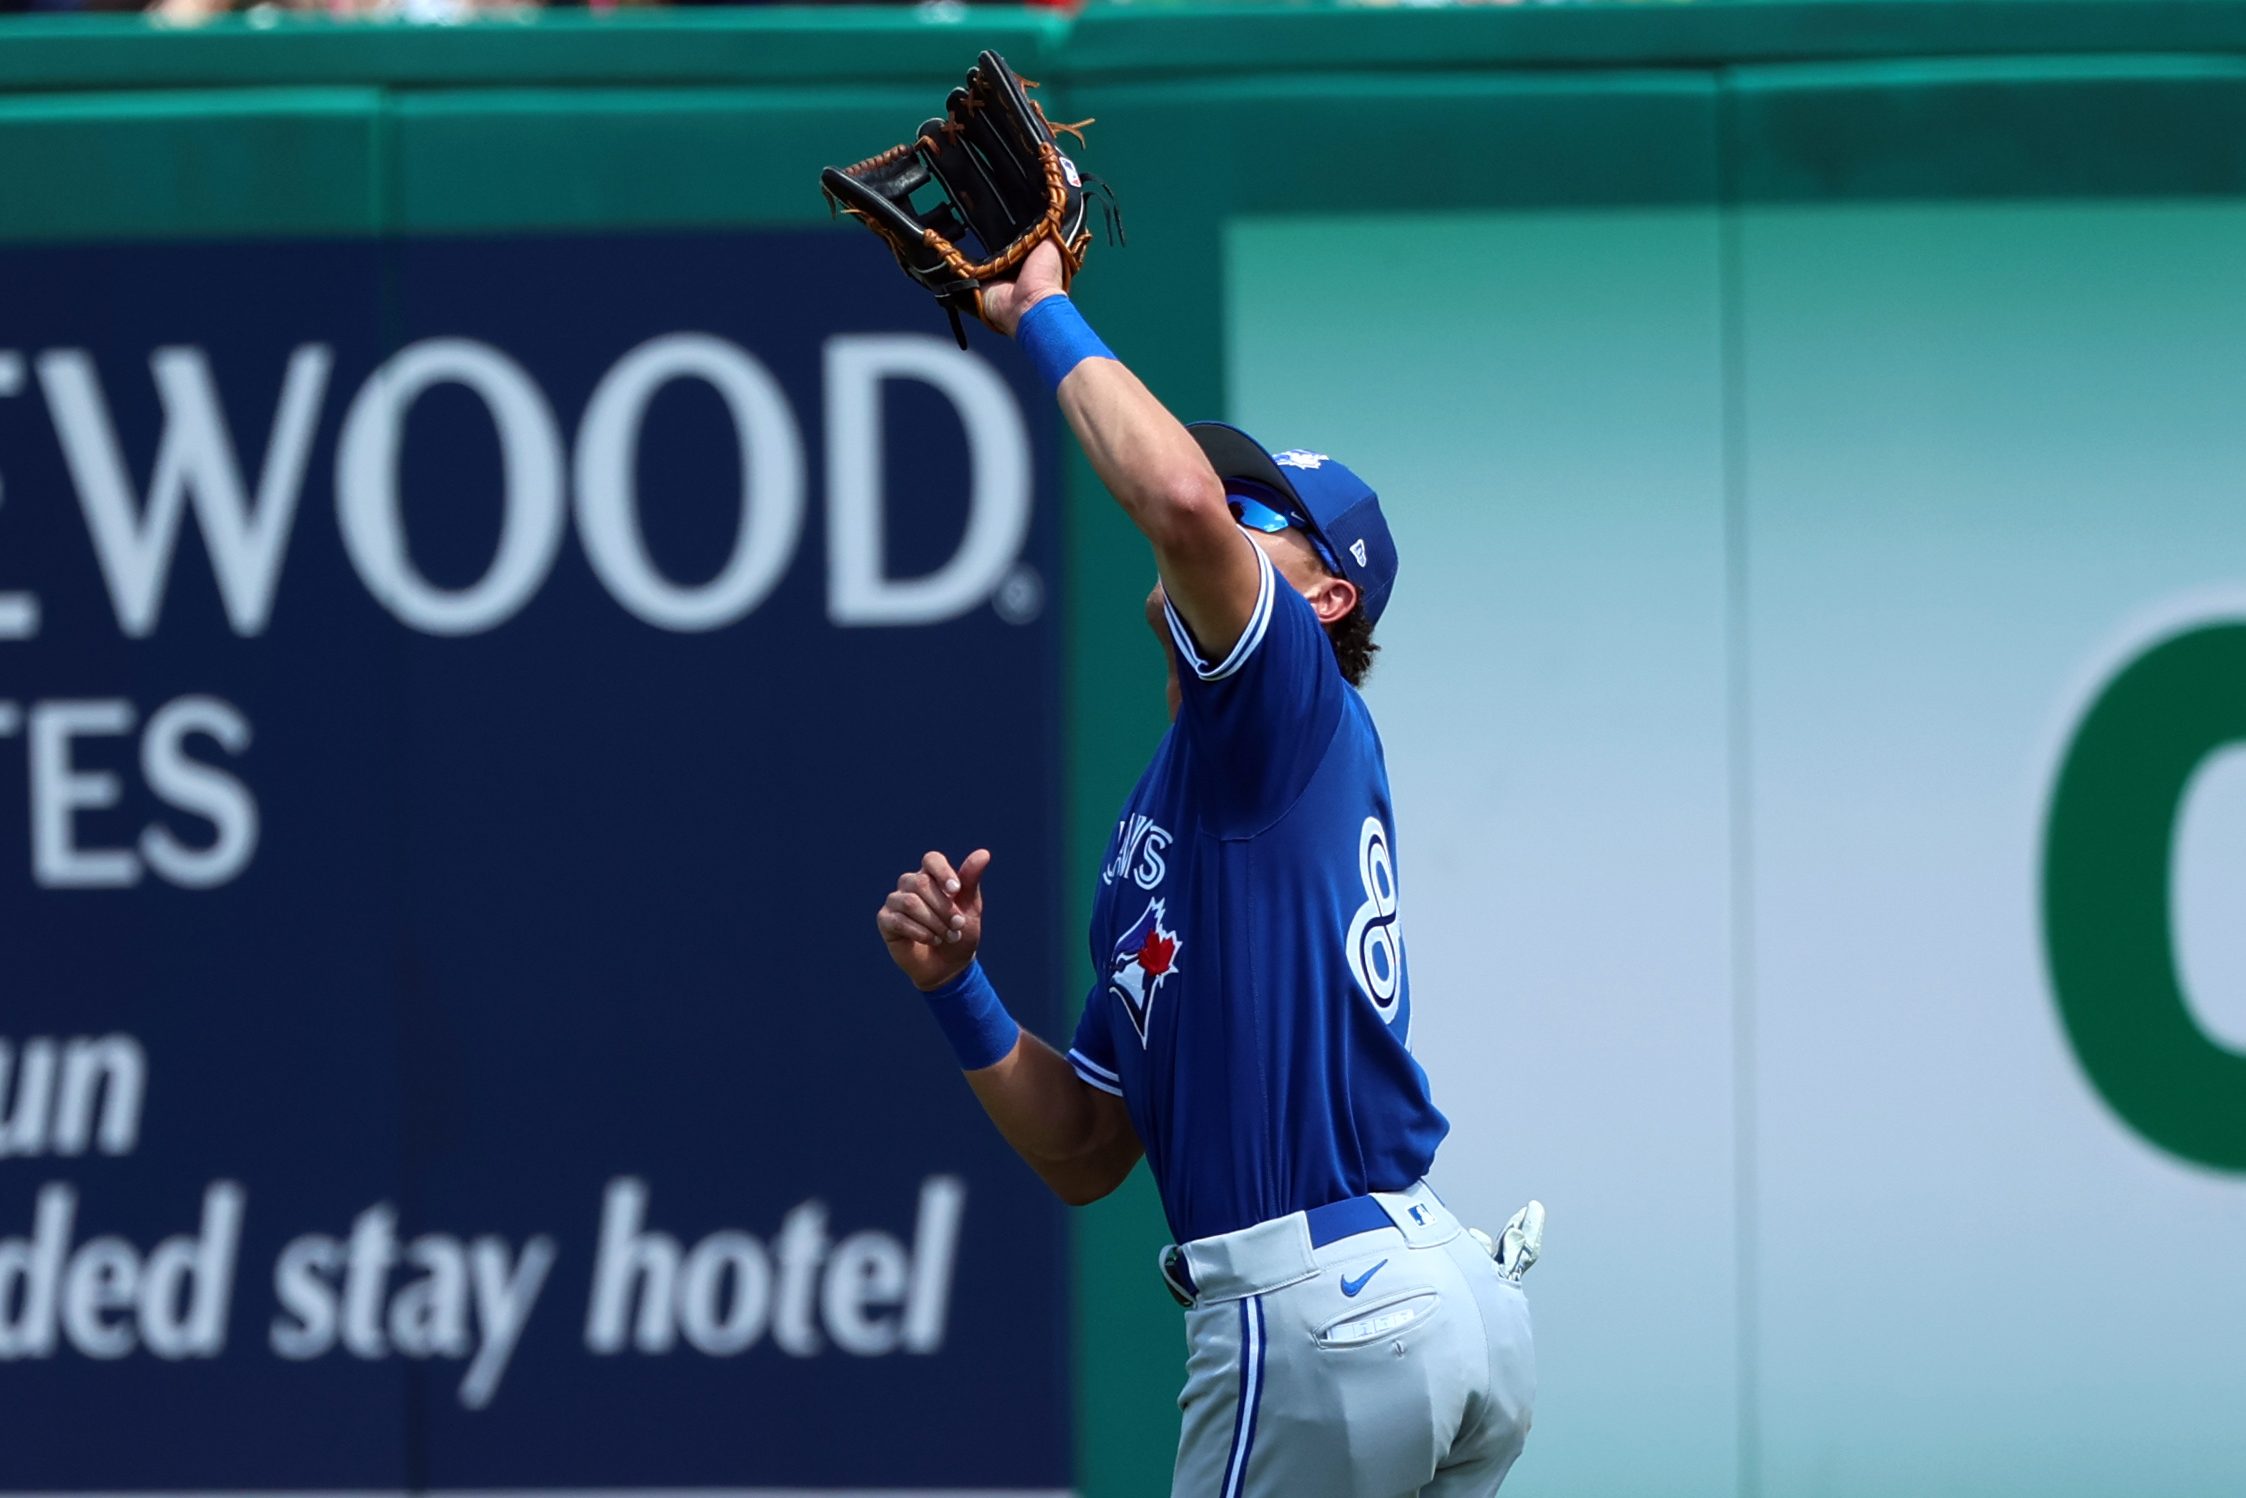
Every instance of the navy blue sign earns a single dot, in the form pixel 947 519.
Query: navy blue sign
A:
pixel 461 704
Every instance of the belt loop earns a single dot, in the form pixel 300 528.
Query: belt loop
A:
pixel 1177 1276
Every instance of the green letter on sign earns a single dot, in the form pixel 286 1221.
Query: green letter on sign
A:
pixel 2106 865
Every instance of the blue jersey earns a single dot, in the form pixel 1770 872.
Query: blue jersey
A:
pixel 1252 1007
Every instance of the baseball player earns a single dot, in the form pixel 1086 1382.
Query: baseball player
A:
pixel 1248 1023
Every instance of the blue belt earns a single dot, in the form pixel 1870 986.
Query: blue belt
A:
pixel 1328 1224
pixel 1338 1220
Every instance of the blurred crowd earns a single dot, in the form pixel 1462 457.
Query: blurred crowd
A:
pixel 187 12
pixel 441 12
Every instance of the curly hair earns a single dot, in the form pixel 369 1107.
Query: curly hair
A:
pixel 1354 649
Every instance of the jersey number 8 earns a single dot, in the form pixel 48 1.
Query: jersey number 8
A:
pixel 1376 947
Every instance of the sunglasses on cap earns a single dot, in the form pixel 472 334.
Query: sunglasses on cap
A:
pixel 1258 509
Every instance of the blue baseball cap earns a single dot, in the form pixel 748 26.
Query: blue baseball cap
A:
pixel 1336 507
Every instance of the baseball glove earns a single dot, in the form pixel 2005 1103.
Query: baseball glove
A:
pixel 1006 188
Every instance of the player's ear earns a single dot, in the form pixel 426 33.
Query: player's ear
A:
pixel 1331 598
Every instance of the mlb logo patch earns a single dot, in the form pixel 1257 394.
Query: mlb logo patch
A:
pixel 1423 1223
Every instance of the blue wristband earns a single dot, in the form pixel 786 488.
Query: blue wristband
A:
pixel 968 1011
pixel 1057 339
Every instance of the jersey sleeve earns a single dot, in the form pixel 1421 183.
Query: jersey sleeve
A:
pixel 1092 1052
pixel 1264 713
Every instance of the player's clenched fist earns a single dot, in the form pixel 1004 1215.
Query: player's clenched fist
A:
pixel 933 920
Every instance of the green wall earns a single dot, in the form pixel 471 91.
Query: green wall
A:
pixel 1232 134
pixel 1790 596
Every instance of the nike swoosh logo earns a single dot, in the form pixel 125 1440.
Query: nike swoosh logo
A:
pixel 1352 1286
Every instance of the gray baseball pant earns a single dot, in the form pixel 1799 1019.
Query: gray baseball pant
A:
pixel 1390 1362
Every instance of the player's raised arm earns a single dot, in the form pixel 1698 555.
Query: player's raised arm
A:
pixel 1143 454
pixel 983 210
pixel 1077 1138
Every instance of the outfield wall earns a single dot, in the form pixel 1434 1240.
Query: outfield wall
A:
pixel 1814 434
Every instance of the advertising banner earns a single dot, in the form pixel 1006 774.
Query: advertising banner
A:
pixel 461 704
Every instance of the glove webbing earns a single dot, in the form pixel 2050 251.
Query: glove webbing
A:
pixel 1009 257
